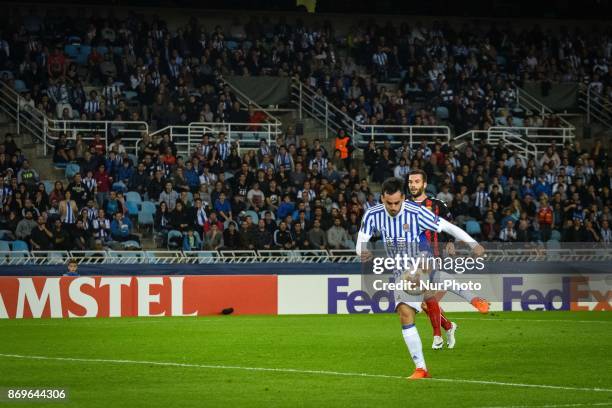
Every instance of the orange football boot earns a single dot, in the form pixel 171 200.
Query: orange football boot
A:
pixel 419 373
pixel 481 304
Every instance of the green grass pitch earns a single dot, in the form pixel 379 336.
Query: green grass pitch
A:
pixel 314 361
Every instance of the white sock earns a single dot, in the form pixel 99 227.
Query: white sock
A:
pixel 440 276
pixel 413 341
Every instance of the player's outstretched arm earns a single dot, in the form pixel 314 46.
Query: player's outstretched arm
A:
pixel 461 235
pixel 361 246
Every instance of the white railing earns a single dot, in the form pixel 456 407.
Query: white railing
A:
pixel 601 253
pixel 525 149
pixel 333 119
pixel 245 135
pixel 597 107
pixel 131 132
pixel 47 130
pixel 541 137
pixel 529 102
pixel 495 137
pixel 396 134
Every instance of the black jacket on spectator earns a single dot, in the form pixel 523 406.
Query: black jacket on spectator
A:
pixel 139 182
pixel 231 240
pixel 178 218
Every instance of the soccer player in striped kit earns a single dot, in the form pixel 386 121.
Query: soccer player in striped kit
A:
pixel 400 224
pixel 417 183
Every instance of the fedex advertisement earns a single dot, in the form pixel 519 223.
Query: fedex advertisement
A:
pixel 118 296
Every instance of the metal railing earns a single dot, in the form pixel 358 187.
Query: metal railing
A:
pixel 333 119
pixel 541 137
pixel 162 257
pixel 596 106
pixel 529 102
pixel 493 137
pixel 245 135
pixel 47 130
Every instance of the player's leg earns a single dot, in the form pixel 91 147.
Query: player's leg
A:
pixel 481 304
pixel 432 308
pixel 412 339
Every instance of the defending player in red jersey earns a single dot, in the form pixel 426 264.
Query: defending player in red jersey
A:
pixel 417 183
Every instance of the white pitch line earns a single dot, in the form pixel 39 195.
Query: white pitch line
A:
pixel 531 320
pixel 590 404
pixel 296 371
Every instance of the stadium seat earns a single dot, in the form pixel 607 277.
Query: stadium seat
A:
pixel 71 170
pixel 145 218
pixel 20 246
pixel 442 112
pixel 74 39
pixel 49 186
pixel 172 239
pixel 133 196
pixel 148 207
pixel 253 215
pixel 231 45
pixel 5 246
pixel 349 243
pixel 20 86
pixel 72 50
pixel 132 208
pixel 84 51
pixel 119 186
pixel 473 228
pixel 130 95
pixel 8 74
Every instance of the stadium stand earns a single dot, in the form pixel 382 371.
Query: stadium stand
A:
pixel 117 103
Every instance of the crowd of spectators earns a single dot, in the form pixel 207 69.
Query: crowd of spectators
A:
pixel 143 70
pixel 298 198
pixel 292 194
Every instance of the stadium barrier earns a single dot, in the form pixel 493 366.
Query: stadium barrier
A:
pixel 280 288
pixel 501 253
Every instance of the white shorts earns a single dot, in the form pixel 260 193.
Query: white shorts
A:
pixel 413 301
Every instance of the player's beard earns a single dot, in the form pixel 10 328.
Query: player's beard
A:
pixel 418 193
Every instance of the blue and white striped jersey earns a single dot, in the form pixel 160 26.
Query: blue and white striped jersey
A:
pixel 400 234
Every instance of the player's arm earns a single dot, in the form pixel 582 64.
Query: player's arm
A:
pixel 429 220
pixel 363 237
pixel 444 213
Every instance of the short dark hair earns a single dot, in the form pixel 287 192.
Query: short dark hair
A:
pixel 419 171
pixel 392 185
